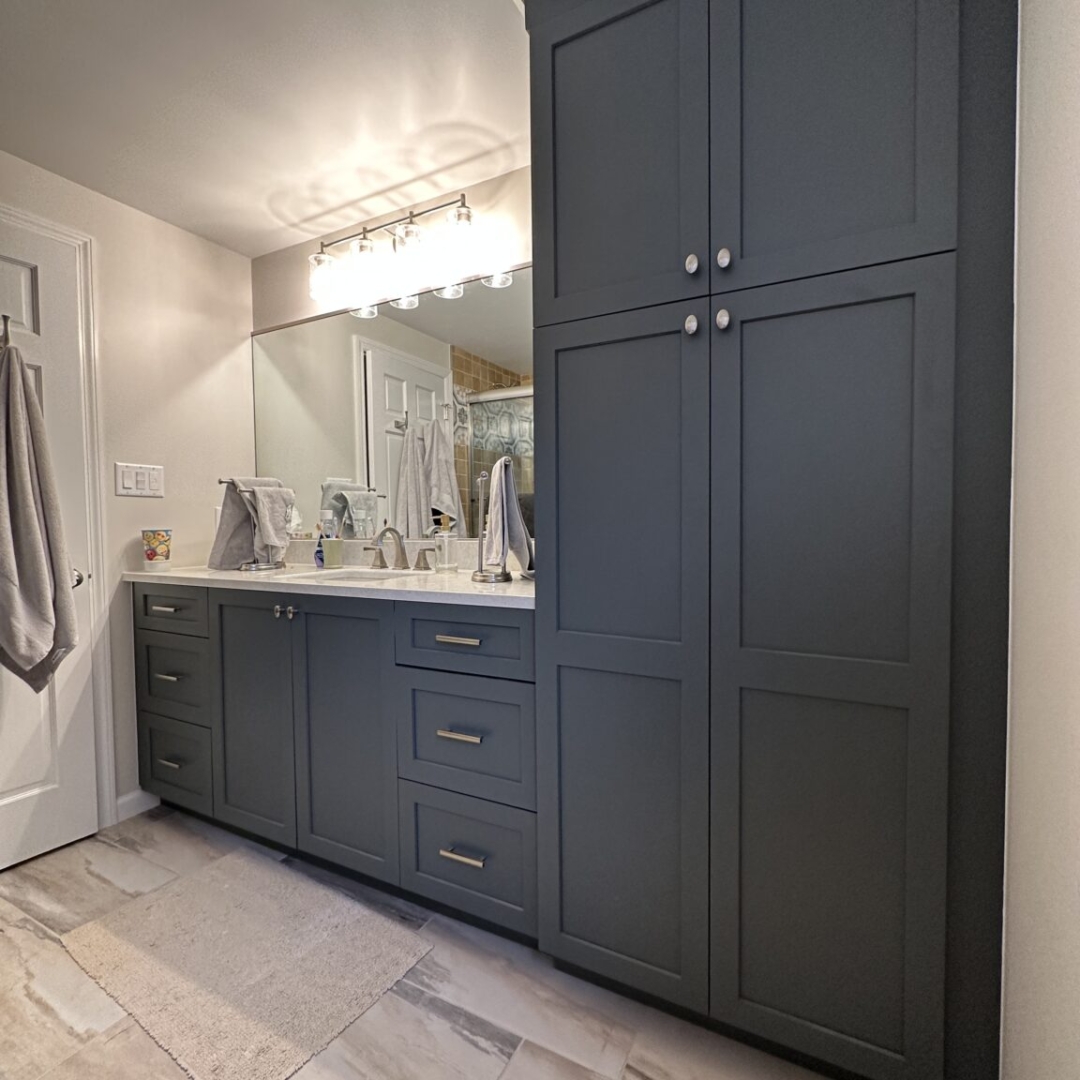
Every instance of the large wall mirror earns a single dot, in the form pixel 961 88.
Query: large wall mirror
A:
pixel 336 398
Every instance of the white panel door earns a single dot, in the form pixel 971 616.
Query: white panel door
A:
pixel 403 391
pixel 48 774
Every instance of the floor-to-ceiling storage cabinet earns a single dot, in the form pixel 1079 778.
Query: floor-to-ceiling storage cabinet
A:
pixel 752 468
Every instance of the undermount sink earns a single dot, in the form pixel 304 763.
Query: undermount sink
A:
pixel 351 574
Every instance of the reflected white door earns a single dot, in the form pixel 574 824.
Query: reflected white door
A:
pixel 48 774
pixel 404 391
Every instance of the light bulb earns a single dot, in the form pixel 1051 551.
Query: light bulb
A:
pixel 406 303
pixel 499 280
pixel 369 311
pixel 408 236
pixel 459 215
pixel 321 277
pixel 450 292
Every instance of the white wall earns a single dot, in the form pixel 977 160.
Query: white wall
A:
pixel 280 280
pixel 172 314
pixel 1042 934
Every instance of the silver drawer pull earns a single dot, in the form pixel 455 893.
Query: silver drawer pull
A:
pixel 459 736
pixel 164 610
pixel 169 764
pixel 450 639
pixel 167 678
pixel 453 856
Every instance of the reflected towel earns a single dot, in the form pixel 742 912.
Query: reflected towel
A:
pixel 412 513
pixel 38 622
pixel 356 513
pixel 506 530
pixel 444 494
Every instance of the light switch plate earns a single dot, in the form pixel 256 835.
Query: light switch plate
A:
pixel 140 481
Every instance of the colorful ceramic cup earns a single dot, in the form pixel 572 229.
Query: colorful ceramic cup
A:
pixel 157 548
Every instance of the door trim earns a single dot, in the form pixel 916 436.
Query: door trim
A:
pixel 94 451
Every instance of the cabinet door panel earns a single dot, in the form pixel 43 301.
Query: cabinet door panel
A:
pixel 620 158
pixel 833 135
pixel 622 648
pixel 831 534
pixel 346 763
pixel 254 783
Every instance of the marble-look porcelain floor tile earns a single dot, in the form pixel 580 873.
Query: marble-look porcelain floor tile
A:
pixel 168 839
pixel 393 907
pixel 124 1052
pixel 229 840
pixel 514 987
pixel 532 1062
pixel 411 1035
pixel 49 1007
pixel 80 882
pixel 667 1048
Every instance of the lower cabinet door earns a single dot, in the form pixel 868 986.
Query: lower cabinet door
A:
pixel 254 782
pixel 622 632
pixel 472 854
pixel 346 764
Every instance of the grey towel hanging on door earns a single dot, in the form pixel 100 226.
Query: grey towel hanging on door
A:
pixel 38 625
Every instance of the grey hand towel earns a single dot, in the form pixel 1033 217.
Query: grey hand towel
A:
pixel 506 530
pixel 412 514
pixel 242 535
pixel 38 624
pixel 357 513
pixel 441 473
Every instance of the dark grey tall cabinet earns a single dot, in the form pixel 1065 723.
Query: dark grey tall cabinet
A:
pixel 761 457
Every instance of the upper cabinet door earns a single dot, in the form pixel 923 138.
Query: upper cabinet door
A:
pixel 833 135
pixel 620 157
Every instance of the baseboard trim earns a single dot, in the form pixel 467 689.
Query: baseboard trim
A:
pixel 135 802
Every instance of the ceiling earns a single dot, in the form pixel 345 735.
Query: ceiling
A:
pixel 493 323
pixel 262 123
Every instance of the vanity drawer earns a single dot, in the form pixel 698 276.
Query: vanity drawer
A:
pixel 474 855
pixel 474 641
pixel 172 675
pixel 174 762
pixel 468 734
pixel 176 609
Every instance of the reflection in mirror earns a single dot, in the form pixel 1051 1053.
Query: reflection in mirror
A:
pixel 351 401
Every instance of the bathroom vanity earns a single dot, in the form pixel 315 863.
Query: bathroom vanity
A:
pixel 384 724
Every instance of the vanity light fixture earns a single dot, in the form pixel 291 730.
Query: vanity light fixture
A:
pixel 450 292
pixel 499 280
pixel 406 303
pixel 368 311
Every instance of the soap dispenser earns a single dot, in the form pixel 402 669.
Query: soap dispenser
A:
pixel 444 547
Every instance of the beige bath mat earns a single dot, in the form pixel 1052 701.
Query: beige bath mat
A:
pixel 245 969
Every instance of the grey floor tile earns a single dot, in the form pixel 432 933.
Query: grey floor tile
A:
pixel 519 990
pixel 532 1062
pixel 171 840
pixel 408 914
pixel 667 1048
pixel 78 883
pixel 49 1007
pixel 411 1035
pixel 124 1052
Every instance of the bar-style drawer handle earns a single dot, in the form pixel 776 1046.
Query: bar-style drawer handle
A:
pixel 169 764
pixel 451 639
pixel 163 609
pixel 453 856
pixel 167 678
pixel 459 736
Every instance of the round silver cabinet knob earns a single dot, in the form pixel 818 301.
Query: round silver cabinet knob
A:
pixel 690 326
pixel 691 263
pixel 723 319
pixel 723 258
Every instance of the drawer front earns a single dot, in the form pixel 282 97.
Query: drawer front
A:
pixel 474 855
pixel 171 675
pixel 174 609
pixel 469 734
pixel 473 641
pixel 174 761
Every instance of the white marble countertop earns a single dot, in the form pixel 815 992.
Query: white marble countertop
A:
pixel 427 587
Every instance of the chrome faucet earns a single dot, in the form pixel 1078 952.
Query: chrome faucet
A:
pixel 401 559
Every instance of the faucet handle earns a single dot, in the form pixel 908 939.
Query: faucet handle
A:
pixel 379 562
pixel 421 559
